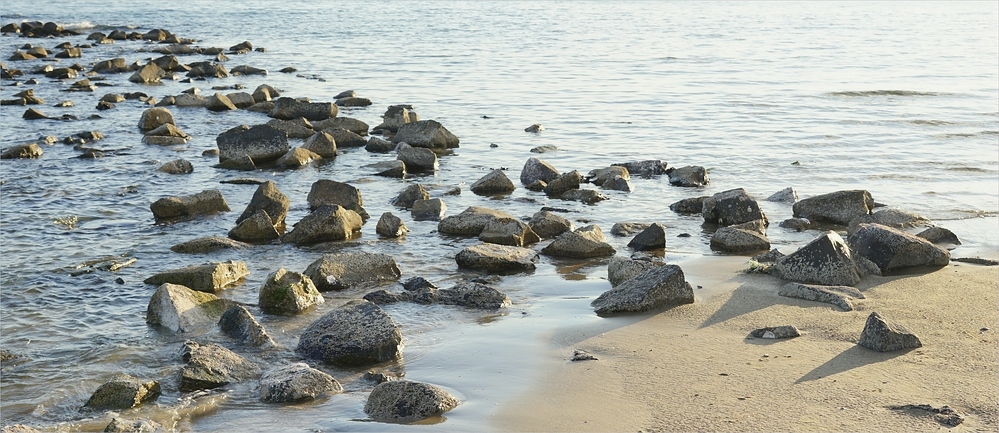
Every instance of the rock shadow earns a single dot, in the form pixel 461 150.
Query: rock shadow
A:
pixel 849 359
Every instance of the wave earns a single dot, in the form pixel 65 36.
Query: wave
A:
pixel 930 122
pixel 868 93
pixel 965 135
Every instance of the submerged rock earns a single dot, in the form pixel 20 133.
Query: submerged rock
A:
pixel 296 382
pixel 662 286
pixel 403 401
pixel 883 336
pixel 22 151
pixel 208 244
pixel 354 334
pixel 208 277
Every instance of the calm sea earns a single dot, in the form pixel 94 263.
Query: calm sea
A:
pixel 900 99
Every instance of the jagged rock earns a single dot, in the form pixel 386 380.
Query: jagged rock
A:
pixel 177 166
pixel 495 182
pixel 549 225
pixel 297 157
pixel 353 125
pixel 132 426
pixel 377 145
pixel 165 130
pixel 508 231
pixel 563 183
pixel 384 297
pixel 769 257
pixel 123 392
pixel 826 260
pixel 268 198
pixel 330 192
pixel 257 228
pixel 23 151
pixel 662 286
pixel 884 336
pixel 736 240
pixel 838 207
pixel 428 210
pixel 470 222
pixel 497 258
pixel 345 270
pixel 618 183
pixel 208 277
pixel 403 401
pixel 410 195
pixel 205 202
pixel 345 138
pixel 288 293
pixel 621 269
pixel 426 133
pixel 211 366
pixel 265 92
pixel 290 108
pixel 537 186
pixel 535 170
pixel 776 332
pixel 390 226
pixel 354 334
pixel 322 144
pixel 647 168
pixel 894 218
pixel 150 73
pixel 796 224
pixel 116 65
pixel 734 206
pixel 417 159
pixel 238 323
pixel 939 236
pixel 893 249
pixel 394 168
pixel 580 244
pixel 208 244
pixel 628 228
pixel 326 223
pixel 295 128
pixel 181 309
pixel 261 143
pixel 840 296
pixel 653 237
pixel 787 196
pixel 396 116
pixel 689 176
pixel 296 382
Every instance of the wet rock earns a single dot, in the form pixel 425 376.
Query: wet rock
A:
pixel 769 257
pixel 426 133
pixel 322 144
pixel 205 202
pixel 354 334
pixel 123 392
pixel 825 260
pixel 258 228
pixel 428 210
pixel 165 135
pixel 416 284
pixel 133 426
pixel 261 143
pixel 177 166
pixel 939 236
pixel 155 117
pixel 238 323
pixel 893 249
pixel 290 108
pixel 535 170
pixel 621 269
pixel 689 176
pixel 537 186
pixel 472 295
pixel 297 157
pixel 508 231
pixel 331 192
pixel 207 69
pixel 736 240
pixel 471 221
pixel 353 101
pixel 600 176
pixel 838 207
pixel 587 196
pixel 190 101
pixel 417 159
pixel 787 196
pixel 325 224
pixel 653 237
pixel 734 206
pixel 618 183
pixel 377 145
pixel 247 70
pixel 840 296
pixel 584 243
pixel 403 401
pixel 776 332
pixel 628 228
pixel 549 225
pixel 208 277
pixel 295 128
pixel 268 198
pixel 884 336
pixel 350 124
pixel 33 114
pixel 264 93
pixel 497 258
pixel 211 366
pixel 384 297
pixel 181 309
pixel 149 73
pixel 563 183
pixel 894 218
pixel 296 382
pixel 394 169
pixel 240 99
pixel 796 224
pixel 495 182
pixel 647 168
pixel 345 270
pixel 22 151
pixel 114 66
pixel 410 195
pixel 69 53
pixel 243 163
pixel 662 286
pixel 345 138
pixel 288 293
pixel 390 226
pixel 534 128
pixel 396 116
pixel 220 102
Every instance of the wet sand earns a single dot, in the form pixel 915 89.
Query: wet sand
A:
pixel 692 368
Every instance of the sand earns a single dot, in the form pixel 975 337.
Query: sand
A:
pixel 692 368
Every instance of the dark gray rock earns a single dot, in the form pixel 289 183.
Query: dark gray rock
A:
pixel 535 170
pixel 470 222
pixel 396 116
pixel 601 176
pixel 149 73
pixel 294 128
pixel 653 237
pixel 428 210
pixel 296 382
pixel 426 133
pixel 288 293
pixel 325 224
pixel 939 236
pixel 893 249
pixel 840 296
pixel 354 334
pixel 497 258
pixel 353 101
pixel 473 295
pixel 894 218
pixel 207 277
pixel 689 205
pixel 769 257
pixel 508 231
pixel 403 401
pixel 353 125
pixel 393 169
pixel 884 336
pixel 787 196
pixel 583 243
pixel 212 366
pixel 181 309
pixel 534 128
pixel 410 195
pixel 647 168
pixel 563 183
pixel 734 206
pixel 662 286
pixel 331 192
pixel 22 151
pixel 391 226
pixel 776 332
pixel 621 269
pixel 208 244
pixel 261 143
pixel 537 186
pixel 548 225
pixel 345 270
pixel 290 108
pixel 838 207
pixel 384 297
pixel 205 202
pixel 416 284
pixel 238 323
pixel 268 198
pixel 177 166
pixel 240 99
pixel 417 159
pixel 618 183
pixel 826 260
pixel 582 355
pixel 123 392
pixel 321 144
pixel 623 229
pixel 377 145
pixel 258 228
pixel 495 182
pixel 587 196
pixel 689 176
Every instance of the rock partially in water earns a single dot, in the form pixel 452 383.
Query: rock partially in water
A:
pixel 325 224
pixel 296 382
pixel 563 183
pixel 840 296
pixel 220 102
pixel 428 210
pixel 208 244
pixel 689 205
pixel 410 195
pixel 661 286
pixel 417 159
pixel 939 236
pixel 689 176
pixel 211 366
pixel 297 157
pixel 153 118
pixel 776 332
pixel 535 170
pixel 495 182
pixel 22 151
pixel 258 228
pixel 497 258
pixel 508 231
pixel 123 392
pixel 549 225
pixel 471 221
pixel 261 143
pixel 583 243
pixel 736 240
pixel 288 293
pixel 331 192
pixel 345 138
pixel 787 196
pixel 621 269
pixel 345 270
pixel 289 108
pixel 587 196
pixel 268 198
pixel 181 309
pixel 426 133
pixel 353 101
pixel 378 145
pixel 796 224
pixel 149 73
pixel 884 336
pixel 295 128
pixel 647 168
pixel 390 226
pixel 321 144
pixel 177 166
pixel 652 237
pixel 404 401
pixel 601 176
pixel 354 334
pixel 534 128
pixel 838 207
pixel 202 203
pixel 393 169
pixel 133 426
pixel 826 260
pixel 734 206
pixel 473 295
pixel 353 125
pixel 893 249
pixel 207 277
pixel 238 323
pixel 894 218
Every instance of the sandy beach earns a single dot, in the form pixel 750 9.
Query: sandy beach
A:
pixel 692 368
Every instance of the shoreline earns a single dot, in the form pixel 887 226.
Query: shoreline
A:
pixel 692 367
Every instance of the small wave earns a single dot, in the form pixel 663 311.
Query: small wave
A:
pixel 866 93
pixel 78 26
pixel 930 122
pixel 965 135
pixel 971 169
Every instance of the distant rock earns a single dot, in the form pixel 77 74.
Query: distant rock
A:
pixel 497 258
pixel 212 366
pixel 662 286
pixel 653 237
pixel 155 117
pixel 410 195
pixel 621 269
pixel 776 332
pixel 288 293
pixel 353 101
pixel 884 336
pixel 208 277
pixel 177 166
pixel 689 176
pixel 495 182
pixel 238 323
pixel 205 202
pixel 787 196
pixel 840 296
pixel 426 133
pixel 181 309
pixel 734 206
pixel 544 149
pixel 208 244
pixel 391 226
pixel 325 224
pixel 341 271
pixel 536 169
pixel 290 108
pixel 23 151
pixel 826 260
pixel 508 231
pixel 838 207
pixel 261 143
pixel 689 205
pixel 417 159
pixel 893 249
pixel 647 168
pixel 534 128
pixel 355 334
pixel 123 392
pixel 428 210
pixel 796 224
pixel 548 225
pixel 268 198
pixel 331 192
pixel 470 222
pixel 296 382
pixel 583 243
pixel 403 401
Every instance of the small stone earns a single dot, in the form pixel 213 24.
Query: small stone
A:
pixel 582 355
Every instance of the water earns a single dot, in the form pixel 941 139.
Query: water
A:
pixel 818 96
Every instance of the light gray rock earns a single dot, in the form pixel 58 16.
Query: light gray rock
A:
pixel 355 334
pixel 270 199
pixel 190 101
pixel 410 195
pixel 548 225
pixel 689 176
pixel 508 231
pixel 893 249
pixel 583 243
pixel 297 157
pixel 495 182
pixel 264 93
pixel 290 108
pixel 825 260
pixel 262 143
pixel 331 192
pixel 212 366
pixel 325 224
pixel 147 74
pixel 602 175
pixel 534 128
pixel 623 229
pixel 587 196
pixel 353 125
pixel 563 183
pixel 426 133
pixel 662 286
pixel 734 206
pixel 208 244
pixel 131 426
pixel 391 226
pixel 341 271
pixel 202 203
pixel 404 401
pixel 123 392
pixel 535 170
pixel 181 309
pixel 220 102
pixel 258 228
pixel 894 218
pixel 689 205
pixel 238 323
pixel 471 221
pixel 838 207
pixel 735 240
pixel 296 382
pixel 207 277
pixel 287 293
pixel 428 210
pixel 154 117
pixel 840 296
pixel 647 168
pixel 776 332
pixel 497 258
pixel 652 237
pixel 884 336
pixel 622 269
pixel 321 144
pixel 240 99
pixel 787 196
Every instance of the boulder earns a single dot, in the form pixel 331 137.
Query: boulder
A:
pixel 265 93
pixel 653 237
pixel 354 334
pixel 895 218
pixel 426 133
pixel 428 210
pixel 736 240
pixel 123 392
pixel 297 157
pixel 470 222
pixel 623 229
pixel 787 196
pixel 473 295
pixel 377 145
pixel 295 128
pixel 537 186
pixel 564 182
pixel 258 228
pixel 394 169
pixel 296 382
pixel 240 99
pixel 548 225
pixel 268 198
pixel 181 309
pixel 404 401
pixel 884 336
pixel 939 236
pixel 346 270
pixel 796 224
pixel 220 102
pixel 497 258
pixel 238 323
pixel 287 293
pixel 621 269
pixel 248 70
pixel 148 74
pixel 508 231
pixel 618 183
pixel 211 366
pixel 190 100
pixel 177 166
pixel 601 176
pixel 207 69
pixel 734 206
pixel 290 108
pixel 417 159
pixel 840 296
pixel 33 114
pixel 353 125
pixel 776 332
pixel 331 192
pixel 396 116
pixel 825 260
pixel 495 182
pixel 261 143
pixel 580 244
pixel 893 249
pixel 390 226
pixel 838 207
pixel 208 244
pixel 325 224
pixel 647 168
pixel 208 277
pixel 689 176
pixel 535 170
pixel 662 286
pixel 154 117
pixel 410 195
pixel 322 144
pixel 345 138
pixel 353 101
pixel 242 164
pixel 22 151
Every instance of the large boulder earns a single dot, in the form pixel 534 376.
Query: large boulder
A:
pixel 354 334
pixel 840 296
pixel 207 277
pixel 155 117
pixel 123 392
pixel 535 170
pixel 211 366
pixel 288 293
pixel 180 309
pixel 508 231
pixel 838 207
pixel 470 222
pixel 689 176
pixel 621 269
pixel 268 198
pixel 403 401
pixel 893 249
pixel 330 192
pixel 326 224
pixel 884 336
pixel 734 206
pixel 261 143
pixel 417 159
pixel 826 260
pixel 296 382
pixel 345 270
pixel 426 133
pixel 659 287
pixel 494 182
pixel 547 224
pixel 238 323
pixel 653 237
pixel 584 243
pixel 497 258
pixel 205 202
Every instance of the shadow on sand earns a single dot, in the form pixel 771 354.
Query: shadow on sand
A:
pixel 849 359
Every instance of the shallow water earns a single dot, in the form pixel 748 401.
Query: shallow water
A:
pixel 818 96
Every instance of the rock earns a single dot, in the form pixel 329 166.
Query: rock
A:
pixel 242 164
pixel 396 116
pixel 261 143
pixel 628 228
pixel 769 257
pixel 495 182
pixel 104 105
pixel 177 166
pixel 884 336
pixel 190 101
pixel 404 401
pixel 208 277
pixel 838 207
pixel 383 297
pixel 647 168
pixel 211 366
pixel 587 196
pixel 207 69
pixel 621 269
pixel 840 296
pixel 181 309
pixel 689 176
pixel 287 293
pixel 787 196
pixel 208 244
pixel 350 124
pixel 23 151
pixel 825 260
pixel 796 224
pixel 470 222
pixel 353 102
pixel 428 210
pixel 220 102
pixel 346 270
pixel 548 225
pixel 582 355
pixel 123 392
pixel 297 157
pixel 238 323
pixel 417 284
pixel 417 159
pixel 536 169
pixel 473 295
pixel 345 94
pixel 534 128
pixel 391 226
pixel 939 236
pixel 345 138
pixel 497 258
pixel 377 145
pixel 600 176
pixel 264 93
pixel 563 183
pixel 155 117
pixel 736 240
pixel 895 218
pixel 426 133
pixel 653 237
pixel 734 206
pixel 325 224
pixel 296 382
pixel 395 169
pixel 205 202
pixel 290 108
pixel 295 128
pixel 618 183
pixel 33 114
pixel 268 198
pixel 354 334
pixel 132 426
pixel 662 286
pixel 893 249
pixel 149 73
pixel 240 99
pixel 508 231
pixel 580 244
pixel 330 192
pixel 258 228
pixel 248 70
pixel 776 332
pixel 166 130
pixel 537 186
pixel 410 195
pixel 321 144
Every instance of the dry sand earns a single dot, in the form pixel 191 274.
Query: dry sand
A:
pixel 692 368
